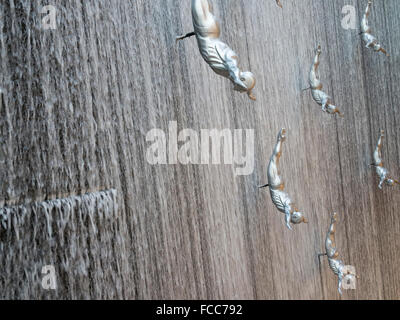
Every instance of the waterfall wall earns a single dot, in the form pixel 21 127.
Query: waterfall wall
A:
pixel 77 191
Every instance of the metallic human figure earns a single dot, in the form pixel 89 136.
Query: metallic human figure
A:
pixel 222 59
pixel 366 31
pixel 316 88
pixel 278 2
pixel 276 186
pixel 331 252
pixel 378 164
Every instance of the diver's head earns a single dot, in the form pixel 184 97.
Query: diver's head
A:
pixel 249 81
pixel 297 218
pixel 390 182
pixel 333 110
pixel 349 274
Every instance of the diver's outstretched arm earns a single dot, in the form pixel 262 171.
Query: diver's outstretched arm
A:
pixel 339 113
pixel 287 218
pixel 384 51
pixel 381 182
pixel 314 79
pixel 340 279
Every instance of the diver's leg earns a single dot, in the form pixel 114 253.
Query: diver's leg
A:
pixel 202 16
pixel 364 22
pixel 277 153
pixel 378 150
pixel 202 12
pixel 330 243
pixel 273 171
pixel 332 228
pixel 368 10
pixel 314 79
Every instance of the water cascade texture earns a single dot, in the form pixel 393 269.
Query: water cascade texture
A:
pixel 77 235
pixel 77 192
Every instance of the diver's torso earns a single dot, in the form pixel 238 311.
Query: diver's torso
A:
pixel 369 38
pixel 336 265
pixel 320 96
pixel 381 171
pixel 280 199
pixel 208 50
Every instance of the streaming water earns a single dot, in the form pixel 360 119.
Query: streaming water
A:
pixel 77 192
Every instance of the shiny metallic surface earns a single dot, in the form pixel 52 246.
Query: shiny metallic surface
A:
pixel 369 39
pixel 378 164
pixel 336 265
pixel 222 59
pixel 276 186
pixel 318 95
pixel 278 2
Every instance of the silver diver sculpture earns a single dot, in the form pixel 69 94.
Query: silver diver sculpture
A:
pixel 378 164
pixel 318 95
pixel 336 265
pixel 276 186
pixel 222 59
pixel 366 31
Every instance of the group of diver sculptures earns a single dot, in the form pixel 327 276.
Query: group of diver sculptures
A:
pixel 224 61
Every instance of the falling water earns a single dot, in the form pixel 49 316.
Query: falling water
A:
pixel 76 235
pixel 77 102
